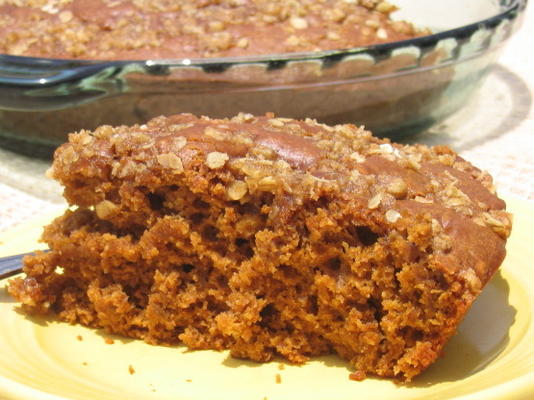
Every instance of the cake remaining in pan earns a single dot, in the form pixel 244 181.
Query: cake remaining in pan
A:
pixel 152 29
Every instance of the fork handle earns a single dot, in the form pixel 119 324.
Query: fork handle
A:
pixel 11 265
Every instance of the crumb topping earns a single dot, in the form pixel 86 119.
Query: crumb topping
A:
pixel 253 155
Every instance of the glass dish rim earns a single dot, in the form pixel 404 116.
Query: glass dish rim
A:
pixel 511 12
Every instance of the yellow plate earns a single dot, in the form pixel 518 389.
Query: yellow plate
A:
pixel 491 357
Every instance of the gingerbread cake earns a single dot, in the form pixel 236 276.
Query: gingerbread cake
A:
pixel 268 237
pixel 202 31
pixel 155 29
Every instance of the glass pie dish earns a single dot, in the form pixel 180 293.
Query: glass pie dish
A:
pixel 395 89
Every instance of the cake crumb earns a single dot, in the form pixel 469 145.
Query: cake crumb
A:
pixel 109 340
pixel 131 370
pixel 357 376
pixel 281 367
pixel 189 380
pixel 278 378
pixel 85 363
pixel 79 337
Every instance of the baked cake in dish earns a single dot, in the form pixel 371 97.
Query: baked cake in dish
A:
pixel 268 237
pixel 155 29
pixel 192 36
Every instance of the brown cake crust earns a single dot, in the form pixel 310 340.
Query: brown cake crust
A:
pixel 152 29
pixel 268 236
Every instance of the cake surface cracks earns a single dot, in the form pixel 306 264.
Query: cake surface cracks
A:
pixel 268 237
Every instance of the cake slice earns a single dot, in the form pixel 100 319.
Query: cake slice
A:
pixel 268 237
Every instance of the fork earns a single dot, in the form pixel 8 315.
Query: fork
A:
pixel 11 265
